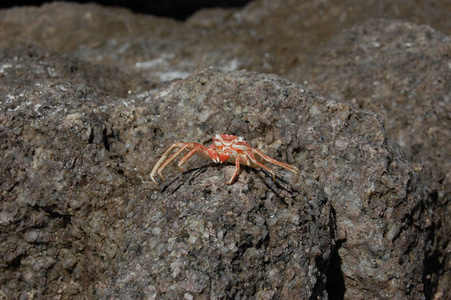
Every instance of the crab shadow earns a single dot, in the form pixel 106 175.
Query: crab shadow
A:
pixel 284 190
pixel 184 177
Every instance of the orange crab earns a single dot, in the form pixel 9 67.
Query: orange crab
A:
pixel 225 148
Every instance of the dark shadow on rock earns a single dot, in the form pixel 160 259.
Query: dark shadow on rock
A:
pixel 335 278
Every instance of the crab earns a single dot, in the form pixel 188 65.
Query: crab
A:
pixel 225 148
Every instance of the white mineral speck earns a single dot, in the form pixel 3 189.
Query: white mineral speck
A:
pixel 156 231
pixel 188 296
pixel 192 239
pixel 233 247
pixel 295 219
pixel 5 66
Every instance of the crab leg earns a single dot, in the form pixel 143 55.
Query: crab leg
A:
pixel 273 161
pixel 237 169
pixel 255 161
pixel 162 162
pixel 197 147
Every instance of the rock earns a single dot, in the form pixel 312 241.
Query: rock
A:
pixel 77 201
pixel 264 36
pixel 80 132
pixel 371 185
pixel 400 71
pixel 57 183
pixel 399 67
pixel 201 237
pixel 77 166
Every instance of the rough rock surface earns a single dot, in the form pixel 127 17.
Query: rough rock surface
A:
pixel 78 141
pixel 76 212
pixel 402 71
pixel 266 36
pixel 80 218
pixel 398 67
pixel 200 238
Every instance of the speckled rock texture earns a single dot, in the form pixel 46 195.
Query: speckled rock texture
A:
pixel 402 71
pixel 86 111
pixel 80 217
pixel 398 67
pixel 265 36
pixel 201 238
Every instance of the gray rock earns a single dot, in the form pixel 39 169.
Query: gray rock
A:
pixel 265 36
pixel 76 169
pixel 203 238
pixel 78 210
pixel 400 71
pixel 374 190
pixel 79 139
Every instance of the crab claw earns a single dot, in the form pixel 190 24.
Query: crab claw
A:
pixel 214 155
